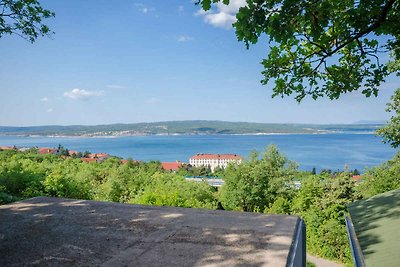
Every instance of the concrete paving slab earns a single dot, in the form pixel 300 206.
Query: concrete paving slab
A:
pixel 64 232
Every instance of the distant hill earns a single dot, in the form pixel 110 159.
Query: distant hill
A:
pixel 199 127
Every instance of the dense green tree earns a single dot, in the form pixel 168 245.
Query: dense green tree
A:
pixel 66 180
pixel 172 190
pixel 200 171
pixel 382 178
pixel 123 183
pixel 321 201
pixel 24 18
pixel 311 191
pixel 391 132
pixel 256 183
pixel 282 205
pixel 314 171
pixel 28 174
pixel 218 171
pixel 356 172
pixel 5 198
pixel 63 151
pixel 184 170
pixel 153 166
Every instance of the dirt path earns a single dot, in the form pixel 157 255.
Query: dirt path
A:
pixel 319 262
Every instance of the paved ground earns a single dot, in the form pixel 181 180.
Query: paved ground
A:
pixel 320 262
pixel 52 231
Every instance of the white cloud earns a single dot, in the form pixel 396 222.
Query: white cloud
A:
pixel 220 20
pixel 181 9
pixel 153 100
pixel 184 38
pixel 144 9
pixel 77 93
pixel 222 16
pixel 49 110
pixel 45 99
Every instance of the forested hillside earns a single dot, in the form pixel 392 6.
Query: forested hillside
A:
pixel 185 127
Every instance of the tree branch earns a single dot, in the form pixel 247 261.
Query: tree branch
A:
pixel 381 19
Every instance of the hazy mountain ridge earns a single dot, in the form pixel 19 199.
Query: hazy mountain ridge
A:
pixel 185 127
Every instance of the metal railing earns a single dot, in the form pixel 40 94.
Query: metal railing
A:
pixel 356 252
pixel 297 253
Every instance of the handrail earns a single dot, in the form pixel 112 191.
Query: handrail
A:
pixel 356 252
pixel 297 253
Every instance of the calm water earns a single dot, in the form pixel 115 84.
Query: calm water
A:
pixel 321 151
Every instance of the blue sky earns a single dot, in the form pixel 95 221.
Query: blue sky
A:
pixel 142 61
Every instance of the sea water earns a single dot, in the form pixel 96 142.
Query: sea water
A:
pixel 322 151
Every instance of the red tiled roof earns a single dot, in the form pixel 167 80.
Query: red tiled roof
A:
pixel 357 177
pixel 6 148
pixel 46 150
pixel 171 166
pixel 217 156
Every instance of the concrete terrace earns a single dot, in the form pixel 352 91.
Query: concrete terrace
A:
pixel 52 231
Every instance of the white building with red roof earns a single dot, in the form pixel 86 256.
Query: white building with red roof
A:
pixel 214 160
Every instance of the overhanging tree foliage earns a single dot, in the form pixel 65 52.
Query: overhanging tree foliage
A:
pixel 322 48
pixel 23 18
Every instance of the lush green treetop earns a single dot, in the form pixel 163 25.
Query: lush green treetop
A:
pixel 23 18
pixel 256 183
pixel 322 48
pixel 391 132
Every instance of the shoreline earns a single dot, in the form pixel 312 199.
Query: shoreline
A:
pixel 187 134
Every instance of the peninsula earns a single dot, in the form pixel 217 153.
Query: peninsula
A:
pixel 199 127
